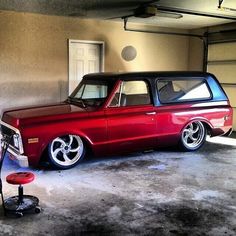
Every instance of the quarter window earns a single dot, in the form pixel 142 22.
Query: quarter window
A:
pixel 178 90
pixel 131 93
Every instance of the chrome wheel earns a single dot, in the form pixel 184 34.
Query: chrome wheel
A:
pixel 193 136
pixel 66 151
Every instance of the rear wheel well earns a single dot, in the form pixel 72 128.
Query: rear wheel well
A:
pixel 193 136
pixel 208 128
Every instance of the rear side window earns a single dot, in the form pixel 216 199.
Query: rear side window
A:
pixel 178 90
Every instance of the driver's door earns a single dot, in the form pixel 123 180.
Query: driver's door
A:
pixel 131 119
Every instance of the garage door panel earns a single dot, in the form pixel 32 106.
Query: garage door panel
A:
pixel 230 91
pixel 222 63
pixel 234 120
pixel 222 51
pixel 225 73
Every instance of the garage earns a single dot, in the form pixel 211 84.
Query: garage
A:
pixel 155 162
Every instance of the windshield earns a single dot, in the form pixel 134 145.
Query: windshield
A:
pixel 91 92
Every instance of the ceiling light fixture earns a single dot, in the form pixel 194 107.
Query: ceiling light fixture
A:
pixel 220 3
pixel 225 8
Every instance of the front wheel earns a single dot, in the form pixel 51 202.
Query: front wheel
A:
pixel 65 152
pixel 193 136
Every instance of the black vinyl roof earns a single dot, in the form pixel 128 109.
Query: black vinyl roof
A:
pixel 146 74
pixel 216 89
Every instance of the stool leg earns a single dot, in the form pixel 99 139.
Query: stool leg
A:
pixel 20 194
pixel 3 203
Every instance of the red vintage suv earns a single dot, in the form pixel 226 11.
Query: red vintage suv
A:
pixel 117 113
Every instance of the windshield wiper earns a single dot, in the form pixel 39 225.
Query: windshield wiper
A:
pixel 77 100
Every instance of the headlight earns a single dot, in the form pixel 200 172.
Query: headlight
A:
pixel 16 140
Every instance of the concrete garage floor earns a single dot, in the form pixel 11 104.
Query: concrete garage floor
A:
pixel 159 193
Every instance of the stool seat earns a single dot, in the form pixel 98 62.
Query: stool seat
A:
pixel 20 178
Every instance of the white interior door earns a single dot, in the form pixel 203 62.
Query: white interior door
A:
pixel 84 57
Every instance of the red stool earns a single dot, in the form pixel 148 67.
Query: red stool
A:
pixel 22 203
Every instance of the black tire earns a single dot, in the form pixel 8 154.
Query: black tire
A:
pixel 193 136
pixel 66 152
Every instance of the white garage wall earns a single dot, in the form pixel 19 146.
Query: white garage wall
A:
pixel 34 54
pixel 196 52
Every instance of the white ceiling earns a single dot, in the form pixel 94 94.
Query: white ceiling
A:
pixel 109 9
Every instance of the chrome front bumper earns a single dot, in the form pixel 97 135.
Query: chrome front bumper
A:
pixel 21 160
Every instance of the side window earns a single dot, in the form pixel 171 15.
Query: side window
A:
pixel 131 93
pixel 92 91
pixel 95 91
pixel 178 90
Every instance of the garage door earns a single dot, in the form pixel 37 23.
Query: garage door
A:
pixel 222 63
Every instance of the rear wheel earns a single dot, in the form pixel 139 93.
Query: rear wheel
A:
pixel 193 136
pixel 65 152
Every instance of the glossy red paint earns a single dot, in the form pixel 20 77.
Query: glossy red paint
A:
pixel 131 128
pixel 112 130
pixel 171 119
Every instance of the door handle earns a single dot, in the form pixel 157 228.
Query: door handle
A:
pixel 151 113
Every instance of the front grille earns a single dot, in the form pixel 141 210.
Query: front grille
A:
pixel 7 132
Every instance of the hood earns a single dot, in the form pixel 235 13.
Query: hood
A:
pixel 18 117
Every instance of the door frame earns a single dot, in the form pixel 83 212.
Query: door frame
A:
pixel 101 44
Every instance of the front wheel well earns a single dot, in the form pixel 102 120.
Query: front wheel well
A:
pixel 44 158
